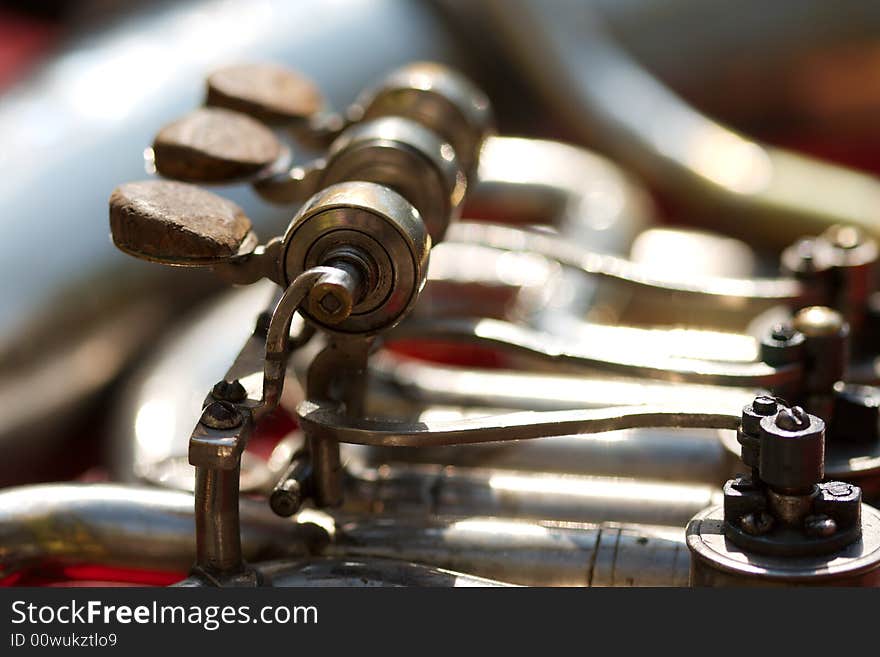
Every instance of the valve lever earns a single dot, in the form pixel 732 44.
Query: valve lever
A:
pixel 268 92
pixel 213 145
pixel 178 224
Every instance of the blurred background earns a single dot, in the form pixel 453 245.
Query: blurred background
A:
pixel 85 84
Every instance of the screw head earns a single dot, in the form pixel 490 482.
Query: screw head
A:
pixel 838 489
pixel 793 419
pixel 330 303
pixel 286 501
pixel 819 526
pixel 221 415
pixel 231 391
pixel 764 405
pixel 782 332
pixel 845 237
pixel 333 297
pixel 803 255
pixel 757 523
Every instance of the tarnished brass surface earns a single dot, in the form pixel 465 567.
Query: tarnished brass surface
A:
pixel 166 220
pixel 268 92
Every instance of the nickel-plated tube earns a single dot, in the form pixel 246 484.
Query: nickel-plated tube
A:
pixel 359 573
pixel 603 94
pixel 423 490
pixel 127 526
pixel 525 553
pixel 681 455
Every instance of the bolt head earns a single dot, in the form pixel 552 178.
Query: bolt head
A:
pixel 845 237
pixel 286 502
pixel 221 415
pixel 330 303
pixel 819 526
pixel 757 523
pixel 793 419
pixel 332 298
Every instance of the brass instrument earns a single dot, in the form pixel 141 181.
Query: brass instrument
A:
pixel 465 357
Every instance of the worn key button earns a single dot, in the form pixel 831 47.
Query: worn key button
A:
pixel 177 223
pixel 268 92
pixel 214 145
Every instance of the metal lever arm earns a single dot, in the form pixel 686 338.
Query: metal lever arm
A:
pixel 273 358
pixel 220 437
pixel 327 421
pixel 547 348
pixel 278 335
pixel 404 383
pixel 717 291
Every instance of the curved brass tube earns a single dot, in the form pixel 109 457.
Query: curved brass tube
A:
pixel 581 194
pixel 768 194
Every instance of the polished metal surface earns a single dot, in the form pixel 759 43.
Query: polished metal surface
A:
pixel 362 153
pixel 529 554
pixel 725 292
pixel 381 225
pixel 443 99
pixel 45 526
pixel 130 527
pixel 423 490
pixel 401 379
pixel 561 352
pixel 716 562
